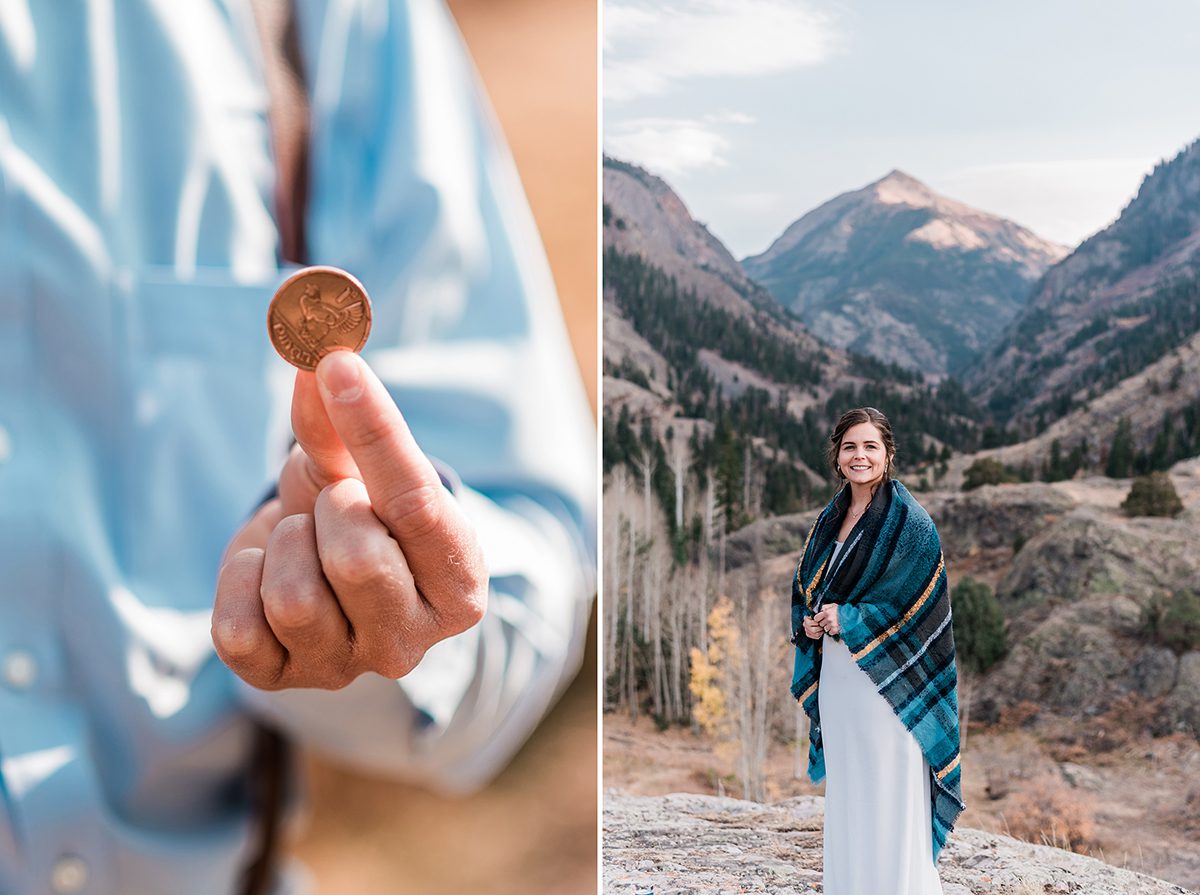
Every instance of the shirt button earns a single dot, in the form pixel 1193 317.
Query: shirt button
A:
pixel 69 875
pixel 5 445
pixel 19 669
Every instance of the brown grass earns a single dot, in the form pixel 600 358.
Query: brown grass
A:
pixel 1049 813
pixel 1020 714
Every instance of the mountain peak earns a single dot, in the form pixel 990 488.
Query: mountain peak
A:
pixel 881 269
pixel 899 188
pixel 897 176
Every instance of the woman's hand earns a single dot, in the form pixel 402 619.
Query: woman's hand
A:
pixel 812 629
pixel 827 618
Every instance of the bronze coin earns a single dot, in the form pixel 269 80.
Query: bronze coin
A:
pixel 315 311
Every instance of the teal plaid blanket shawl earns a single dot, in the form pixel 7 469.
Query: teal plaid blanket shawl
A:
pixel 894 612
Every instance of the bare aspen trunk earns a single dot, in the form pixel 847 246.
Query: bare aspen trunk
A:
pixel 678 619
pixel 654 598
pixel 612 582
pixel 763 701
pixel 630 640
pixel 679 466
pixel 721 554
pixel 647 467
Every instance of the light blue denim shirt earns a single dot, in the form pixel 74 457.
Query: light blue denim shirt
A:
pixel 143 415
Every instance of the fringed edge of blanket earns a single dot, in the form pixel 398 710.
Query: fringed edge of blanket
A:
pixel 946 777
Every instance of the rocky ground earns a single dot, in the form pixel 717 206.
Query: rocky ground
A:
pixel 1135 805
pixel 709 845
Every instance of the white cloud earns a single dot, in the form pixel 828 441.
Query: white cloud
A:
pixel 1064 201
pixel 649 48
pixel 669 147
pixel 673 146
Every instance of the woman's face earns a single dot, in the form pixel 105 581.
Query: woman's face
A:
pixel 862 456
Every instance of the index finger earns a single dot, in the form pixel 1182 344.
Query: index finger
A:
pixel 320 458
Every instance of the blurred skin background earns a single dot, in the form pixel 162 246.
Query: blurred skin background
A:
pixel 534 828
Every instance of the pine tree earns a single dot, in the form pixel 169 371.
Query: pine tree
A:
pixel 1120 455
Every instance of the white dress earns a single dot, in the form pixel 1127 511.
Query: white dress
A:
pixel 878 837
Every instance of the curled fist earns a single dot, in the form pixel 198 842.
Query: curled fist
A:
pixel 812 629
pixel 362 562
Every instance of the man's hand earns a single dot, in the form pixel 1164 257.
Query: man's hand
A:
pixel 362 563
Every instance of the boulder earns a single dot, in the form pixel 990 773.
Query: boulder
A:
pixel 1182 707
pixel 1154 671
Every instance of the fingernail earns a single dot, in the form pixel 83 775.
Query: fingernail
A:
pixel 339 375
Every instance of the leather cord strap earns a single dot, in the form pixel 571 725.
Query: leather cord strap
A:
pixel 290 121
pixel 289 118
pixel 269 770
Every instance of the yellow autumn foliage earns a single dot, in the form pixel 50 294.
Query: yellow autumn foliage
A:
pixel 707 682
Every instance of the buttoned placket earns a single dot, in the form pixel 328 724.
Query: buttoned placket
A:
pixel 43 740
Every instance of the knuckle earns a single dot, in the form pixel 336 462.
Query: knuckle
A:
pixel 294 528
pixel 357 564
pixel 243 566
pixel 397 659
pixel 399 653
pixel 342 494
pixel 461 605
pixel 292 605
pixel 469 610
pixel 235 639
pixel 416 511
pixel 373 433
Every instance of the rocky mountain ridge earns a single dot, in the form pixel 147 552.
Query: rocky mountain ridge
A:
pixel 1119 303
pixel 896 271
pixel 645 217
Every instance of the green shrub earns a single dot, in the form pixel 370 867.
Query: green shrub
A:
pixel 984 471
pixel 978 625
pixel 987 471
pixel 1152 495
pixel 1174 620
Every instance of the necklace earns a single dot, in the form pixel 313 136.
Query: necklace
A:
pixel 852 512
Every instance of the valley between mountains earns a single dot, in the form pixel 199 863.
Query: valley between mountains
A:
pixel 1030 386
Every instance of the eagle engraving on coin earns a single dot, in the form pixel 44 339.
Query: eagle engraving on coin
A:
pixel 315 311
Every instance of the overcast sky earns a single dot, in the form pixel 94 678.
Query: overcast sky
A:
pixel 757 111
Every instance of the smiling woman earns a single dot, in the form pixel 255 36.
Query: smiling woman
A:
pixel 875 672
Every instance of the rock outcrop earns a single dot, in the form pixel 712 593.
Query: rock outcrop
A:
pixel 707 845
